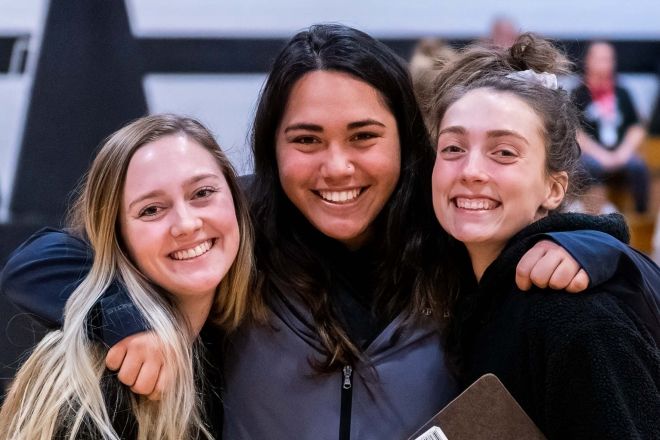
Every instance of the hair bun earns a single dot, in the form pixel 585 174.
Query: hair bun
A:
pixel 540 55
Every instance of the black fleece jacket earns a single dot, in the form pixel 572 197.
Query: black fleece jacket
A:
pixel 582 366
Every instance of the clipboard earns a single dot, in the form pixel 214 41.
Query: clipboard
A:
pixel 485 410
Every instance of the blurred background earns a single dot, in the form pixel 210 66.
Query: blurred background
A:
pixel 72 72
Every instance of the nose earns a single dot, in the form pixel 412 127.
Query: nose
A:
pixel 185 221
pixel 338 162
pixel 473 169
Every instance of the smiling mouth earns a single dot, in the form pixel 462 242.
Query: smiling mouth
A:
pixel 341 197
pixel 194 252
pixel 475 204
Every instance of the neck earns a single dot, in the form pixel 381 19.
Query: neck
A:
pixel 196 311
pixel 482 255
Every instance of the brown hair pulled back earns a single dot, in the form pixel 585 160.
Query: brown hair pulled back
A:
pixel 481 66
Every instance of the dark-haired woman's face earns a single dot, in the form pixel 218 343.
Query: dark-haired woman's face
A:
pixel 338 154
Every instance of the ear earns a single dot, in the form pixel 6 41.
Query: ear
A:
pixel 557 186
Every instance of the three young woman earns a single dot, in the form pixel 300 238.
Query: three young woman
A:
pixel 582 366
pixel 344 339
pixel 181 244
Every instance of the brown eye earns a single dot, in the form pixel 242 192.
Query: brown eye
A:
pixel 150 211
pixel 363 136
pixel 204 192
pixel 505 153
pixel 305 140
pixel 451 149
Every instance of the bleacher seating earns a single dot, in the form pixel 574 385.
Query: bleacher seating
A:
pixel 642 226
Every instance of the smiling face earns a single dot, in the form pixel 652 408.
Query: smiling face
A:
pixel 338 154
pixel 178 219
pixel 490 179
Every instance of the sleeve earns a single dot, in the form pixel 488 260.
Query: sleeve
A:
pixel 44 271
pixel 603 381
pixel 603 257
pixel 597 252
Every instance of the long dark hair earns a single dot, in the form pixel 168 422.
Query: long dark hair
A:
pixel 287 252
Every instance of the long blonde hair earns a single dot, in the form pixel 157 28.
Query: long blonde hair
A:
pixel 58 390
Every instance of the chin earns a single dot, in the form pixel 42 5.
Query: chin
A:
pixel 340 232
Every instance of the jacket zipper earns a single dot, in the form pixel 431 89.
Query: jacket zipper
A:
pixel 346 403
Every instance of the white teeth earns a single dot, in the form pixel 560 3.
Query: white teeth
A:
pixel 198 250
pixel 475 204
pixel 340 196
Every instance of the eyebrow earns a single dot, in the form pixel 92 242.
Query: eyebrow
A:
pixel 455 129
pixel 503 133
pixel 317 128
pixel 304 126
pixel 364 123
pixel 156 193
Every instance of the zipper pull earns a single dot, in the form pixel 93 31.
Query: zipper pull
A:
pixel 348 371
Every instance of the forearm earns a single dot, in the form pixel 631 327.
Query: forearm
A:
pixel 632 140
pixel 41 275
pixel 589 145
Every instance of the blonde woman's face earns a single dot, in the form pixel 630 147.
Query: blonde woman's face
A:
pixel 178 218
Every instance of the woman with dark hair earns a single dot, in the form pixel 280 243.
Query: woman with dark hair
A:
pixel 342 159
pixel 382 160
pixel 345 336
pixel 339 148
pixel 582 366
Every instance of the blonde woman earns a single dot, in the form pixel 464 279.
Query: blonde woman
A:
pixel 162 212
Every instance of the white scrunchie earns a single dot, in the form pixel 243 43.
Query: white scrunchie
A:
pixel 548 80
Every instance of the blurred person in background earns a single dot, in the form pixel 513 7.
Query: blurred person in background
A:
pixel 503 32
pixel 611 132
pixel 428 53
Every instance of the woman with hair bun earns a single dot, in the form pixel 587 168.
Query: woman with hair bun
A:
pixel 582 366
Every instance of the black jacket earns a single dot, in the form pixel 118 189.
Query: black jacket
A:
pixel 582 366
pixel 118 396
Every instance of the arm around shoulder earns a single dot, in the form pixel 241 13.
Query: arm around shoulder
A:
pixel 43 272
